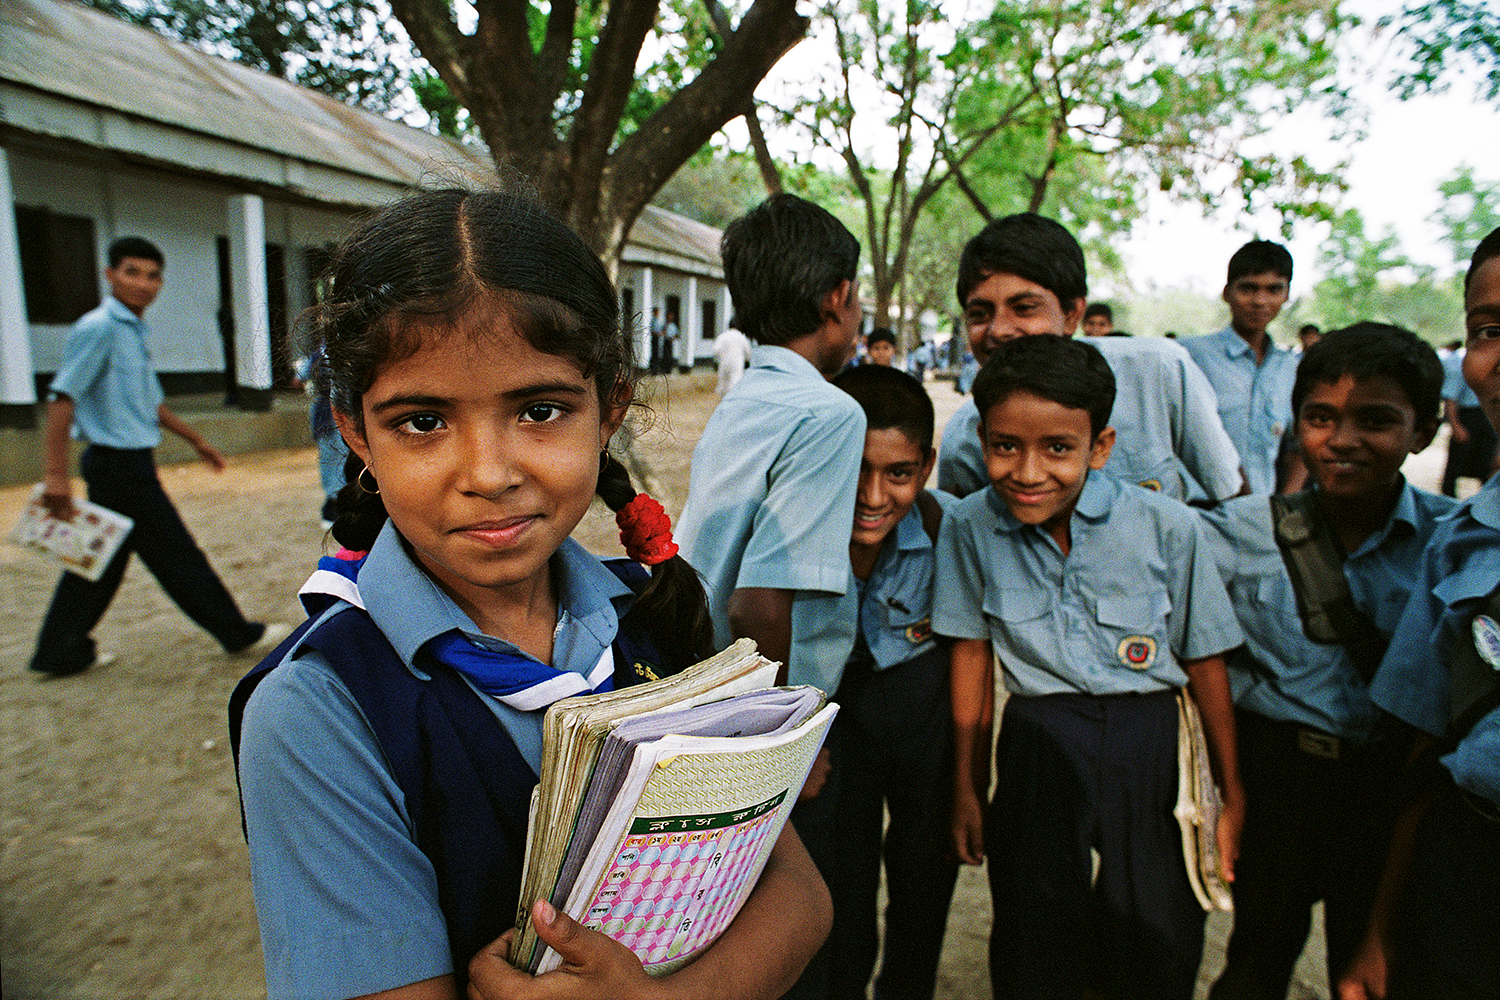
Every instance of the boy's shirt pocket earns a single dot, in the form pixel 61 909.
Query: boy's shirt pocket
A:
pixel 1132 630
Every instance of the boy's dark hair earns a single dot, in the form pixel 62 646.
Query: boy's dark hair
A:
pixel 1366 350
pixel 1260 257
pixel 881 334
pixel 891 399
pixel 1030 246
pixel 780 259
pixel 134 246
pixel 1068 372
pixel 1487 250
pixel 1307 328
pixel 1099 309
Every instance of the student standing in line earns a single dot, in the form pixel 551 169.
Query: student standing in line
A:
pixel 1100 601
pixel 1435 929
pixel 1319 582
pixel 1251 376
pixel 387 753
pixel 1472 441
pixel 893 737
pixel 106 391
pixel 1024 275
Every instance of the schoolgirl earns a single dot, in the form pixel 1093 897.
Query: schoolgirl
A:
pixel 477 369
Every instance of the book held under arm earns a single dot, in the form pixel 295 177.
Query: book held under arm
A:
pixel 659 805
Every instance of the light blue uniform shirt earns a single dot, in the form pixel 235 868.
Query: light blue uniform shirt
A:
pixel 1137 593
pixel 771 504
pixel 346 900
pixel 895 603
pixel 1255 400
pixel 107 372
pixel 1460 567
pixel 1168 436
pixel 1454 386
pixel 1280 672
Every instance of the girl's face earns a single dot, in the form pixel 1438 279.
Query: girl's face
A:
pixel 486 452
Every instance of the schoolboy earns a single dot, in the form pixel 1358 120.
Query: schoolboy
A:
pixel 892 734
pixel 1435 930
pixel 1319 769
pixel 880 347
pixel 1250 375
pixel 1100 601
pixel 771 495
pixel 106 391
pixel 1098 320
pixel 1471 444
pixel 1024 275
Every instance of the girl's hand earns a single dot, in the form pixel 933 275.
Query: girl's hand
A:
pixel 968 828
pixel 594 965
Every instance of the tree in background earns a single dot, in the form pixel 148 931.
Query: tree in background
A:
pixel 1443 36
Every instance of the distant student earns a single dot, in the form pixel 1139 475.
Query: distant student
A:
pixel 1251 376
pixel 731 354
pixel 1472 441
pixel 1098 320
pixel 1435 931
pixel 880 347
pixel 892 736
pixel 1319 767
pixel 1024 275
pixel 771 498
pixel 1100 601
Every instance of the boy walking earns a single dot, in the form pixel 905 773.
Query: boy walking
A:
pixel 1100 602
pixel 892 736
pixel 107 392
pixel 1024 275
pixel 1318 582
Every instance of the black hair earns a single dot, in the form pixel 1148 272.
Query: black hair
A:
pixel 881 334
pixel 1487 250
pixel 427 262
pixel 1068 372
pixel 891 399
pixel 1099 309
pixel 781 259
pixel 1366 350
pixel 1030 246
pixel 134 246
pixel 1260 257
pixel 1307 328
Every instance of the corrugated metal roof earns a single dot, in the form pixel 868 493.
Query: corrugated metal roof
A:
pixel 65 49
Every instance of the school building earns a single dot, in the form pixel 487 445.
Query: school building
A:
pixel 246 182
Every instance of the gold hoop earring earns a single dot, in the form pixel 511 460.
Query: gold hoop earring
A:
pixel 360 479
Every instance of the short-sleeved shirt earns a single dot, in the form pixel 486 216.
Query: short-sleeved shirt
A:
pixel 771 504
pixel 1454 386
pixel 347 901
pixel 107 371
pixel 1255 400
pixel 1281 673
pixel 1168 435
pixel 895 603
pixel 1460 567
pixel 1137 593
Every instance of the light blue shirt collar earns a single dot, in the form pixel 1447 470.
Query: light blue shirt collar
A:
pixel 1094 503
pixel 1484 507
pixel 120 311
pixel 782 359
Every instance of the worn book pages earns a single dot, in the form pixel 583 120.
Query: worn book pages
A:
pixel 1197 810
pixel 84 545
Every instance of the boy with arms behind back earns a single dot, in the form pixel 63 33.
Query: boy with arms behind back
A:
pixel 1318 767
pixel 1100 601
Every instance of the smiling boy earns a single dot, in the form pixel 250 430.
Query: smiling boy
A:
pixel 1318 767
pixel 1100 601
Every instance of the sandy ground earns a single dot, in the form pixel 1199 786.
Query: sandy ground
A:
pixel 122 866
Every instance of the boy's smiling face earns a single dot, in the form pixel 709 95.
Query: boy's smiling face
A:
pixel 1482 357
pixel 1005 306
pixel 1355 433
pixel 1038 454
pixel 892 472
pixel 1256 299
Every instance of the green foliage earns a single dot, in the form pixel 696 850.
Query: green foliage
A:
pixel 1443 35
pixel 1469 212
pixel 715 187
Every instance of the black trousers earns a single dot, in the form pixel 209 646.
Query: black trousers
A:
pixel 1317 825
pixel 125 480
pixel 1077 772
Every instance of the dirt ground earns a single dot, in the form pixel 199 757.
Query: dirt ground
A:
pixel 122 866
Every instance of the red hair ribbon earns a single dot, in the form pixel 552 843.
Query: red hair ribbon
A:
pixel 646 531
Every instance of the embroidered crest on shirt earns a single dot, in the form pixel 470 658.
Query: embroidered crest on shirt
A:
pixel 919 632
pixel 1137 652
pixel 1487 639
pixel 1154 485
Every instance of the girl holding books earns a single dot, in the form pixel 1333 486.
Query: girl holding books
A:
pixel 477 369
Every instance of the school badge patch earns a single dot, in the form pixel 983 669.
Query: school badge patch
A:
pixel 919 632
pixel 1487 639
pixel 1154 485
pixel 1137 652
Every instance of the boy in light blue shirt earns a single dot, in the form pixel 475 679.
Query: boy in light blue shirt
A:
pixel 1101 602
pixel 1319 770
pixel 892 739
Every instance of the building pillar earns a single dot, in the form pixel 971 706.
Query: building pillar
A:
pixel 246 227
pixel 643 335
pixel 692 325
pixel 17 373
